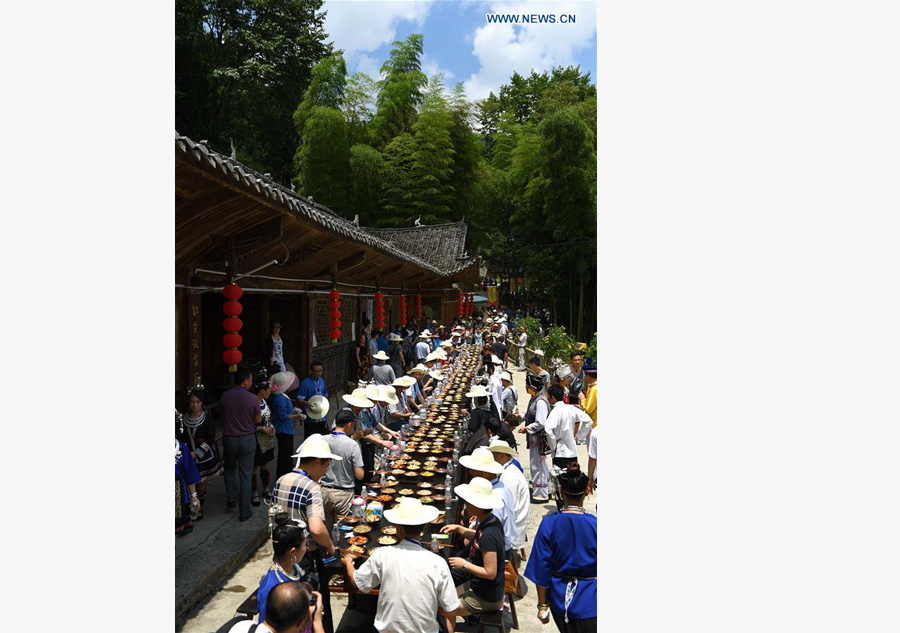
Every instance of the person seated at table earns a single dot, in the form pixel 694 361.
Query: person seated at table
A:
pixel 416 584
pixel 483 568
pixel 289 609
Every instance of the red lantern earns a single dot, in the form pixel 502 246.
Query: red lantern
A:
pixel 232 356
pixel 232 292
pixel 335 323
pixel 379 310
pixel 232 308
pixel 232 340
pixel 232 324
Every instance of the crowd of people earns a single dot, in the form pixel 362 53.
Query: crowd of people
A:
pixel 318 482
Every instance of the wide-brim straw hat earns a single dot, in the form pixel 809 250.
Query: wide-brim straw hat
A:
pixel 478 391
pixel 436 374
pixel 404 381
pixel 374 392
pixel 316 446
pixel 447 343
pixel 388 394
pixel 381 356
pixel 410 511
pixel 506 376
pixel 440 353
pixel 482 460
pixel 317 408
pixel 426 333
pixel 432 356
pixel 499 446
pixel 479 493
pixel 358 399
pixel 282 381
pixel 419 369
pixel 394 337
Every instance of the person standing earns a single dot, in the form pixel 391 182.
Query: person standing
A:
pixel 534 366
pixel 509 397
pixel 275 348
pixel 563 563
pixel 523 341
pixel 576 385
pixel 589 404
pixel 300 494
pixel 500 350
pixel 240 416
pixel 338 482
pixel 283 415
pixel 186 479
pixel 199 433
pixel 538 445
pixel 381 374
pixel 422 349
pixel 415 584
pixel 562 426
pixel 513 479
pixel 265 443
pixel 313 385
pixel 395 354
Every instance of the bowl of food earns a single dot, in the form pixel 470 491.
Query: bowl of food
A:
pixel 387 540
pixel 358 540
pixel 362 529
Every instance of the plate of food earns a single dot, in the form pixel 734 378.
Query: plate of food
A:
pixel 358 540
pixel 383 498
pixel 406 492
pixel 424 484
pixel 389 530
pixel 371 518
pixel 362 529
pixel 357 550
pixel 387 540
pixel 350 520
pixel 429 473
pixel 423 492
pixel 427 500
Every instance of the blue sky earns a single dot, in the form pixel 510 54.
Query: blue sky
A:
pixel 459 41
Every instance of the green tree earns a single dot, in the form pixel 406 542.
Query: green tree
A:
pixel 466 152
pixel 366 182
pixel 359 106
pixel 326 88
pixel 241 67
pixel 323 159
pixel 399 184
pixel 433 159
pixel 400 90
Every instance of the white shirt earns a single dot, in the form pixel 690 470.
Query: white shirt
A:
pixel 560 425
pixel 504 328
pixel 592 453
pixel 509 399
pixel 541 412
pixel 243 627
pixel 513 479
pixel 421 350
pixel 523 339
pixel 506 513
pixel 495 386
pixel 414 583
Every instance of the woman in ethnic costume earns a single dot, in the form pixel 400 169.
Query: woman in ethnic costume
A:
pixel 186 478
pixel 198 430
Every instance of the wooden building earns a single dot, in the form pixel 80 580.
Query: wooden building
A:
pixel 287 252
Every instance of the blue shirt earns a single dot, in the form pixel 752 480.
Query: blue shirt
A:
pixel 282 407
pixel 382 344
pixel 565 548
pixel 310 388
pixel 272 578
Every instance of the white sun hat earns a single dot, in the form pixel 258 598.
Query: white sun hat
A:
pixel 447 343
pixel 479 493
pixel 381 356
pixel 481 459
pixel 478 391
pixel 374 392
pixel 506 376
pixel 388 394
pixel 394 337
pixel 440 353
pixel 404 381
pixel 499 446
pixel 317 408
pixel 426 333
pixel 410 511
pixel 436 374
pixel 496 360
pixel 282 381
pixel 432 356
pixel 358 399
pixel 419 369
pixel 316 446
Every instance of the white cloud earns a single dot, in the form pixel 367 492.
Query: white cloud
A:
pixel 431 67
pixel 369 65
pixel 360 27
pixel 504 48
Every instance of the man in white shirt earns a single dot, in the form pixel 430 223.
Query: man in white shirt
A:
pixel 513 479
pixel 481 464
pixel 416 585
pixel 523 341
pixel 495 384
pixel 562 426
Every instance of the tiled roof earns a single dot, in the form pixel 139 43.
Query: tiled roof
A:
pixel 441 245
pixel 317 213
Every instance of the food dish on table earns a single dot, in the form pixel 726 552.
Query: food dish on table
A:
pixel 362 529
pixel 387 540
